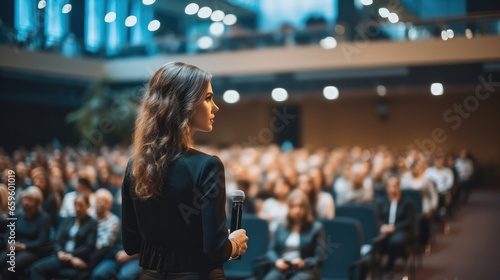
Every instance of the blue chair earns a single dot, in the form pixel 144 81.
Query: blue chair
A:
pixel 365 214
pixel 258 231
pixel 344 238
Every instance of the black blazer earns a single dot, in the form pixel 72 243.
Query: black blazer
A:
pixel 405 214
pixel 184 229
pixel 312 244
pixel 84 240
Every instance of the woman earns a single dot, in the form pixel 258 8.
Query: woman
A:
pixel 75 239
pixel 32 234
pixel 297 247
pixel 41 179
pixel 275 209
pixel 322 204
pixel 173 196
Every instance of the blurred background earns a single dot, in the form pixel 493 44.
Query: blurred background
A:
pixel 300 85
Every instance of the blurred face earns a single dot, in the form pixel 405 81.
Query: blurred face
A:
pixel 102 204
pixel 29 204
pixel 81 207
pixel 393 188
pixel 40 182
pixel 281 190
pixel 439 163
pixel 305 184
pixel 204 113
pixel 296 209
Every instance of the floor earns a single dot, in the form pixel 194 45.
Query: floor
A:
pixel 471 250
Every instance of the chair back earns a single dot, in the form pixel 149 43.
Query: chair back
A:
pixel 258 231
pixel 344 238
pixel 415 197
pixel 365 214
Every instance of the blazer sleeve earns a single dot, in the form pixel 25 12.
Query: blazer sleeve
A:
pixel 62 234
pixel 131 237
pixel 274 253
pixel 213 212
pixel 319 247
pixel 409 217
pixel 89 233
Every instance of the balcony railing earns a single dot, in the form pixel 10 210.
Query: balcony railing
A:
pixel 242 39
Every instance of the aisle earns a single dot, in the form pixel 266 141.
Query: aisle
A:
pixel 472 249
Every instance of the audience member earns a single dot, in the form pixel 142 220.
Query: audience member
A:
pixel 297 247
pixel 32 235
pixel 275 208
pixel 75 240
pixel 396 219
pixel 41 179
pixel 108 226
pixel 83 186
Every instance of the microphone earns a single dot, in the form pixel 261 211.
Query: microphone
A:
pixel 238 197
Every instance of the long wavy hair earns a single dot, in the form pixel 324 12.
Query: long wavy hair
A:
pixel 162 127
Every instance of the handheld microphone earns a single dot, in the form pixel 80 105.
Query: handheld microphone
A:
pixel 238 197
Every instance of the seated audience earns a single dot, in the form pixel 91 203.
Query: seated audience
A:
pixel 356 190
pixel 75 240
pixel 51 199
pixel 465 169
pixel 297 247
pixel 322 204
pixel 443 179
pixel 32 235
pixel 117 262
pixel 396 218
pixel 274 209
pixel 416 180
pixel 108 226
pixel 83 186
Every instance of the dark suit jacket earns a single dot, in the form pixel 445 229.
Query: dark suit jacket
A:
pixel 84 240
pixel 405 214
pixel 185 228
pixel 312 244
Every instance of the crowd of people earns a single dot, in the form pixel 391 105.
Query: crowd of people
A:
pixel 68 202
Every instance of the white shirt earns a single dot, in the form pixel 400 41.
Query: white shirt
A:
pixel 429 192
pixel 325 207
pixel 68 205
pixel 392 212
pixel 465 168
pixel 442 177
pixel 346 194
pixel 274 211
pixel 292 246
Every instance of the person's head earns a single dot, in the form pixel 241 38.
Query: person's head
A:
pixel 41 179
pixel 103 202
pixel 418 167
pixel 31 200
pixel 464 154
pixel 439 160
pixel 306 183
pixel 83 186
pixel 4 194
pixel 282 188
pixel 178 102
pixel 317 177
pixel 346 170
pixel 82 205
pixel 393 187
pixel 299 210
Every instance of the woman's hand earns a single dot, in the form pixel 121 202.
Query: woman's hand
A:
pixel 63 256
pixel 78 263
pixel 299 263
pixel 240 239
pixel 281 265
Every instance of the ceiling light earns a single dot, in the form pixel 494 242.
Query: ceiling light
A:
pixel 331 92
pixel 231 96
pixel 279 94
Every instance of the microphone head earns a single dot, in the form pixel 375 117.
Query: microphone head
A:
pixel 238 196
